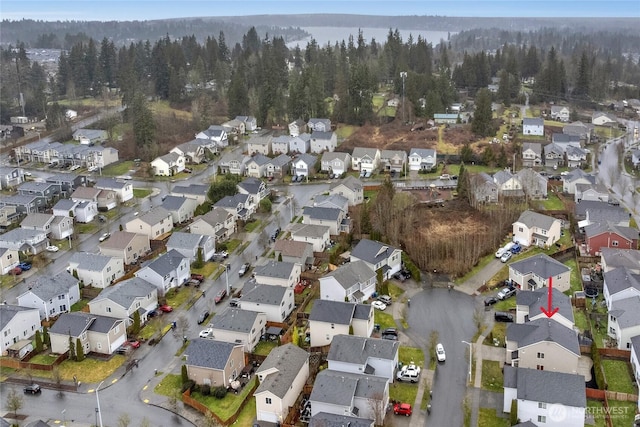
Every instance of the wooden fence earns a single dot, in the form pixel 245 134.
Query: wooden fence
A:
pixel 614 353
pixel 6 362
pixel 190 401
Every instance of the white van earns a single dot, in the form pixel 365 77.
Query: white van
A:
pixel 504 249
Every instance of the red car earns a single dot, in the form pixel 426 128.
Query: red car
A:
pixel 165 308
pixel 16 271
pixel 220 296
pixel 402 409
pixel 132 342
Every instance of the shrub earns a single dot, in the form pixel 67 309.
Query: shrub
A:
pixel 205 389
pixel 513 416
pixel 188 385
pixel 220 392
pixel 597 367
pixel 185 375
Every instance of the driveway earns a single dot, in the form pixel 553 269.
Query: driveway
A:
pixel 450 314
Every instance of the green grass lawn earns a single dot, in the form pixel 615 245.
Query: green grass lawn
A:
pixel 618 377
pixel 383 319
pixel 252 226
pixel 505 305
pixel 207 269
pixel 141 193
pixel 596 408
pixel 309 307
pixel 574 281
pixel 394 290
pixel 120 168
pixel 622 413
pixel 489 418
pixel 247 415
pixel 499 331
pixel 78 306
pixel 227 406
pixel 553 202
pixel 88 228
pixel 263 348
pixel 492 378
pixel 482 263
pixel 89 370
pixel 345 131
pixel 169 385
pixel 411 354
pixel 176 297
pixel 377 101
pixel 581 320
pixel 43 359
pixel 403 392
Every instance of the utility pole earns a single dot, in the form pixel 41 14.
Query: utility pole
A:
pixel 403 74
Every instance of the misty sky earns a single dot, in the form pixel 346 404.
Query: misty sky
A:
pixel 140 10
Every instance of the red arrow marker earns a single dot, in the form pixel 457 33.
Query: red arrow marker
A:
pixel 550 311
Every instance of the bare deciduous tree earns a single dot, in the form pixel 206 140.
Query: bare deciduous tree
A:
pixel 14 401
pixel 124 420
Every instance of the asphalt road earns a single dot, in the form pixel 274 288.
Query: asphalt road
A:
pixel 450 314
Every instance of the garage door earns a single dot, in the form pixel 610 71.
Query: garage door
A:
pixel 267 416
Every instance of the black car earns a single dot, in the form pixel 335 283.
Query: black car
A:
pixel 32 389
pixel 390 337
pixel 390 331
pixel 490 301
pixel 203 317
pixel 503 316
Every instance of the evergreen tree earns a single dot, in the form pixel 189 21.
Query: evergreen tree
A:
pixel 584 76
pixel 137 323
pixel 38 342
pixel 72 349
pixel 488 157
pixel 502 157
pixel 466 154
pixel 504 89
pixel 45 336
pixel 144 127
pixel 185 374
pixel 483 116
pixel 79 351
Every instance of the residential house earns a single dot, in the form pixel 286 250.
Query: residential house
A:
pixel 280 144
pixel 613 258
pixel 330 318
pixel 126 298
pixel 574 177
pixel 591 192
pixel 335 219
pixel 278 167
pixel 623 322
pixel 352 282
pixel 128 246
pixel 61 227
pixel 325 419
pixel 21 240
pixel 83 212
pixel 565 140
pixel 17 324
pixel 335 162
pixel 534 272
pixel 635 158
pixel 169 164
pixel 533 126
pixel 446 119
pixel 191 152
pixel 197 192
pixel 576 156
pixel 533 184
pixel 528 305
pixel 11 177
pixel 545 398
pixel 332 201
pixel 217 223
pixel 239 326
pixel 250 123
pixel 604 234
pixel 24 204
pixel 536 229
pixel 259 145
pixel 241 206
pixel 155 224
pixel 295 252
pixel 282 376
pixel 544 345
pixel 531 154
pixel 98 271
pixel 508 184
pixel 190 244
pixel 365 159
pixel 484 189
pixel 255 188
pixel 378 256
pixel 180 208
pixel 317 235
pixel 107 200
pixel 344 393
pixel 86 194
pixel 393 160
pixel 233 162
pixel 300 144
pixel 51 295
pixel 304 165
pixel 123 189
pixel 90 136
pixel 257 166
pixel 216 134
pixel 560 113
pixel 323 141
pixel 213 363
pixel 620 283
pixel 363 355
pixel 297 127
pixel 168 271
pixel 8 216
pixel 46 190
pixel 38 221
pixel 234 127
pixel 350 188
pixel 97 334
pixel 319 125
pixel 67 182
pixel 600 118
pixel 278 273
pixel 275 301
pixel 9 259
pixel 634 359
pixel 554 155
pixel 208 145
pixel 583 131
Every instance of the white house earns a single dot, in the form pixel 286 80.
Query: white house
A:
pixel 545 398
pixel 304 164
pixel 123 189
pixel 278 273
pixel 317 235
pixel 189 244
pixel 239 326
pixel 330 318
pixel 276 302
pixel 623 322
pixel 635 360
pixel 319 125
pixel 534 272
pixel 29 241
pixel 280 144
pixel 282 376
pixel 600 118
pixel 335 219
pixel 354 282
pixel 534 229
pixel 422 159
pixel 168 271
pixel 351 188
pixel 90 136
pixel 365 159
pixel 620 283
pixel 300 144
pixel 124 299
pixel 259 145
pixel 560 113
pixel 9 259
pixel 215 133
pixel 359 355
pixel 323 141
pixel 257 165
pixel 574 177
pixel 531 154
pixel 533 126
pixel 378 255
pixel 51 295
pixel 96 270
pixel 528 305
pixel 83 212
pixel 18 324
pixel 197 192
pixel 297 127
pixel 155 223
pixel 192 152
pixel 168 165
pixel 335 162
pixel 180 208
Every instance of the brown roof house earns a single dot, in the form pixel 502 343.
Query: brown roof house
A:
pixel 295 252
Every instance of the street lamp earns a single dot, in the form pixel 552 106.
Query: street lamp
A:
pixel 226 277
pixel 64 418
pixel 99 413
pixel 403 74
pixel 470 353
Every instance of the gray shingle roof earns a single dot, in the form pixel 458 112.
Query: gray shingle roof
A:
pixel 328 214
pixel 329 156
pixel 535 219
pixel 37 220
pixel 90 262
pixel 308 159
pixel 324 136
pixel 46 288
pixel 564 138
pixel 20 234
pixel 597 228
pixel 235 319
pixel 120 240
pixel 423 152
pixel 339 388
pixel 358 350
pixel 215 216
pixel 259 159
pixel 126 292
pixel 337 312
pixel 581 208
pixel 635 345
pixel 232 201
pixel 536 147
pixel 154 216
pixel 288 361
pixel 65 204
pixel 540 330
pixel 18 200
pixel 173 203
pixel 626 311
pixel 183 240
pixel 207 353
pixel 538 298
pixel 166 263
pixel 110 184
pixel 548 386
pixel 280 160
pixel 503 176
pixel 331 201
pixel 325 419
pixel 194 189
pixel 352 273
pixel 351 182
pixel 541 265
pixel 36 186
pixel 74 324
pixel 275 269
pixel 291 248
pixel 363 311
pixel 533 121
pixel 264 294
pixel 371 251
pixel 579 174
pixel 360 152
pixel 621 278
pixel 613 258
pixel 8 312
pixel 309 230
pixel 251 185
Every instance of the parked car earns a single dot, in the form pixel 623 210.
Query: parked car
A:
pixel 399 276
pixel 123 349
pixel 52 249
pixel 385 299
pixel 187 170
pixel 234 302
pixel 132 342
pixel 506 256
pixel 409 372
pixel 104 237
pixel 205 333
pixel 220 296
pixel 503 316
pixel 490 301
pixel 15 271
pixel 516 249
pixel 402 409
pixel 378 305
pixel 440 354
pixel 244 269
pixel 221 254
pixel 25 266
pixel 507 292
pixel 203 317
pixel 165 308
pixel 198 277
pixel 32 389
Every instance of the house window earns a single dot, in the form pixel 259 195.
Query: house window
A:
pixel 542 405
pixel 540 355
pixel 268 400
pixel 520 229
pixel 108 309
pixel 540 367
pixel 542 419
pixel 333 326
pixel 614 243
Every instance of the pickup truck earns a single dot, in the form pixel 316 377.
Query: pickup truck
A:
pixel 445 177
